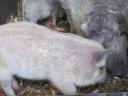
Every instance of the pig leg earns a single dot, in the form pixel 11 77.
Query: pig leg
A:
pixel 15 85
pixel 6 86
pixel 54 20
pixel 51 23
pixel 66 88
pixel 6 82
pixel 47 23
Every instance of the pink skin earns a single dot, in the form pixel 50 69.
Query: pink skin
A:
pixel 15 85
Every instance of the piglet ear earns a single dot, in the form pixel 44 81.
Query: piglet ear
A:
pixel 101 58
pixel 89 31
pixel 84 27
pixel 84 30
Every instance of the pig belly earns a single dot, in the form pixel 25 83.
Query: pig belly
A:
pixel 25 67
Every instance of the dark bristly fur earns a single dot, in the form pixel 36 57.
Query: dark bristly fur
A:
pixel 107 24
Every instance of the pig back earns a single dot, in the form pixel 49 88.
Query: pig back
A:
pixel 37 44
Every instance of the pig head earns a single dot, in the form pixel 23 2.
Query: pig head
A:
pixel 105 27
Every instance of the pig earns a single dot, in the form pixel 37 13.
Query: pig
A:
pixel 34 10
pixel 106 23
pixel 76 11
pixel 34 52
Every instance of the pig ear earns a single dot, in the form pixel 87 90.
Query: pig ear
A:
pixel 101 58
pixel 84 27
pixel 90 28
pixel 85 30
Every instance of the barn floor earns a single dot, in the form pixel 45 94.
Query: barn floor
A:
pixel 40 88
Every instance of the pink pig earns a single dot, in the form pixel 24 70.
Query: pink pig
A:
pixel 34 52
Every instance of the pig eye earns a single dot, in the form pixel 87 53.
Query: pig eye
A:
pixel 102 68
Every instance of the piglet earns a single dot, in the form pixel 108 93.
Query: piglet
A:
pixel 34 52
pixel 106 24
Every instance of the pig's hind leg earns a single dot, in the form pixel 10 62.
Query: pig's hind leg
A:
pixel 6 82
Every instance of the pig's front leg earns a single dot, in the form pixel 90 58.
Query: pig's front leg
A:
pixel 55 27
pixel 6 86
pixel 65 87
pixel 6 81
